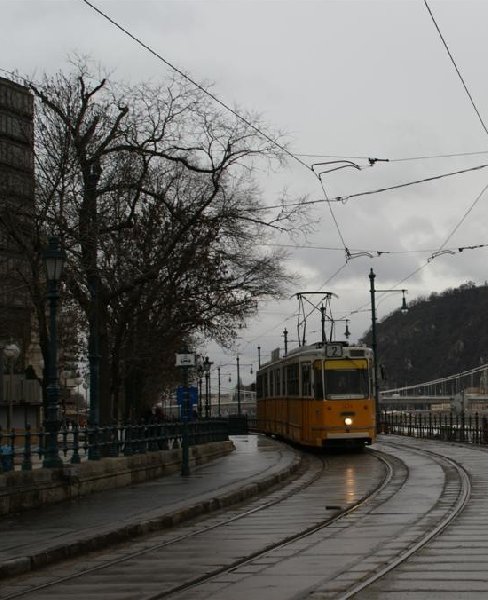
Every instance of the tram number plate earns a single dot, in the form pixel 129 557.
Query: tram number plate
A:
pixel 333 350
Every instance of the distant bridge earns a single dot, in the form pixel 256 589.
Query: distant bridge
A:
pixel 467 390
pixel 426 402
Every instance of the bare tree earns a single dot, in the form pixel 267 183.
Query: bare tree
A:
pixel 152 191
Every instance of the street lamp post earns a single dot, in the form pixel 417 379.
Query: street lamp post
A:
pixel 11 352
pixel 218 396
pixel 374 343
pixel 199 406
pixel 206 368
pixel 238 388
pixel 54 260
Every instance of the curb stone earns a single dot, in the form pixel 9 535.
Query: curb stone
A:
pixel 57 553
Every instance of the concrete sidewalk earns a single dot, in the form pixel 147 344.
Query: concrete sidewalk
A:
pixel 39 537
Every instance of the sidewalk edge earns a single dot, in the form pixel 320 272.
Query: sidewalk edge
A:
pixel 24 564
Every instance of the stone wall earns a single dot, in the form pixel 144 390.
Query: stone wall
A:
pixel 24 490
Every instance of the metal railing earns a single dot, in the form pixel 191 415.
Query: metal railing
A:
pixel 24 449
pixel 471 428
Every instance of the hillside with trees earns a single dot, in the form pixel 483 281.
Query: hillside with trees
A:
pixel 443 334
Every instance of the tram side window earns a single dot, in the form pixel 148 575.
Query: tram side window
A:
pixel 271 383
pixel 265 384
pixel 259 386
pixel 306 379
pixel 318 392
pixel 292 383
pixel 277 376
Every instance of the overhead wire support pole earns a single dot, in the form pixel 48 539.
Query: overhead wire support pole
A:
pixel 374 339
pixel 238 387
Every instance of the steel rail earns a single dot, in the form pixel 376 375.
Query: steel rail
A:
pixel 304 478
pixel 289 540
pixel 461 501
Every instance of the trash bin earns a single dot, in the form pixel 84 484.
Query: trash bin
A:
pixel 6 458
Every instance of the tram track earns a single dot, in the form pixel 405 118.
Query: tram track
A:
pixel 308 478
pixel 384 555
pixel 461 502
pixel 356 543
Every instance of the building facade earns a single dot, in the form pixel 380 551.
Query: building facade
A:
pixel 19 396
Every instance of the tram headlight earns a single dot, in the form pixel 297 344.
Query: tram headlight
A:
pixel 348 421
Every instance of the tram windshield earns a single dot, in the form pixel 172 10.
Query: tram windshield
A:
pixel 343 383
pixel 339 379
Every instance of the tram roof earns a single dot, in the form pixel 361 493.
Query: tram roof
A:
pixel 312 349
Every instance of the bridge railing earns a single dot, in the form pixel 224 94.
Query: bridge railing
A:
pixel 24 449
pixel 471 428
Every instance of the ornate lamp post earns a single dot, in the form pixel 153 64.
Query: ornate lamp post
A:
pixel 206 369
pixel 54 259
pixel 199 372
pixel 12 352
pixel 374 343
pixel 218 396
pixel 238 387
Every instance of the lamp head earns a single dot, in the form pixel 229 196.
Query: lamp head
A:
pixel 54 259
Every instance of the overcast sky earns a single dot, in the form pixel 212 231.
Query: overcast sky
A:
pixel 345 79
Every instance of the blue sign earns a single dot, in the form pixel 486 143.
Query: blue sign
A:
pixel 192 399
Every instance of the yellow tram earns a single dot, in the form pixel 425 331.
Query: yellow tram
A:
pixel 321 395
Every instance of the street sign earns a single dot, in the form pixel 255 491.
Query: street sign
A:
pixel 192 394
pixel 185 360
pixel 186 412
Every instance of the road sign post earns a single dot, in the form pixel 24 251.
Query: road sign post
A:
pixel 184 361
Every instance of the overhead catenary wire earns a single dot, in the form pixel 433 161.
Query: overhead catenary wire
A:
pixel 294 156
pixel 371 251
pixel 408 184
pixel 221 103
pixel 197 85
pixel 379 190
pixel 456 67
pixel 441 250
pixel 398 159
pixel 464 217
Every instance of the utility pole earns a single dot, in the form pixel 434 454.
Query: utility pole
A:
pixel 218 397
pixel 374 340
pixel 238 388
pixel 374 344
pixel 185 360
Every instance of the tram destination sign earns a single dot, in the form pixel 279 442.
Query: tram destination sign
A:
pixel 333 350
